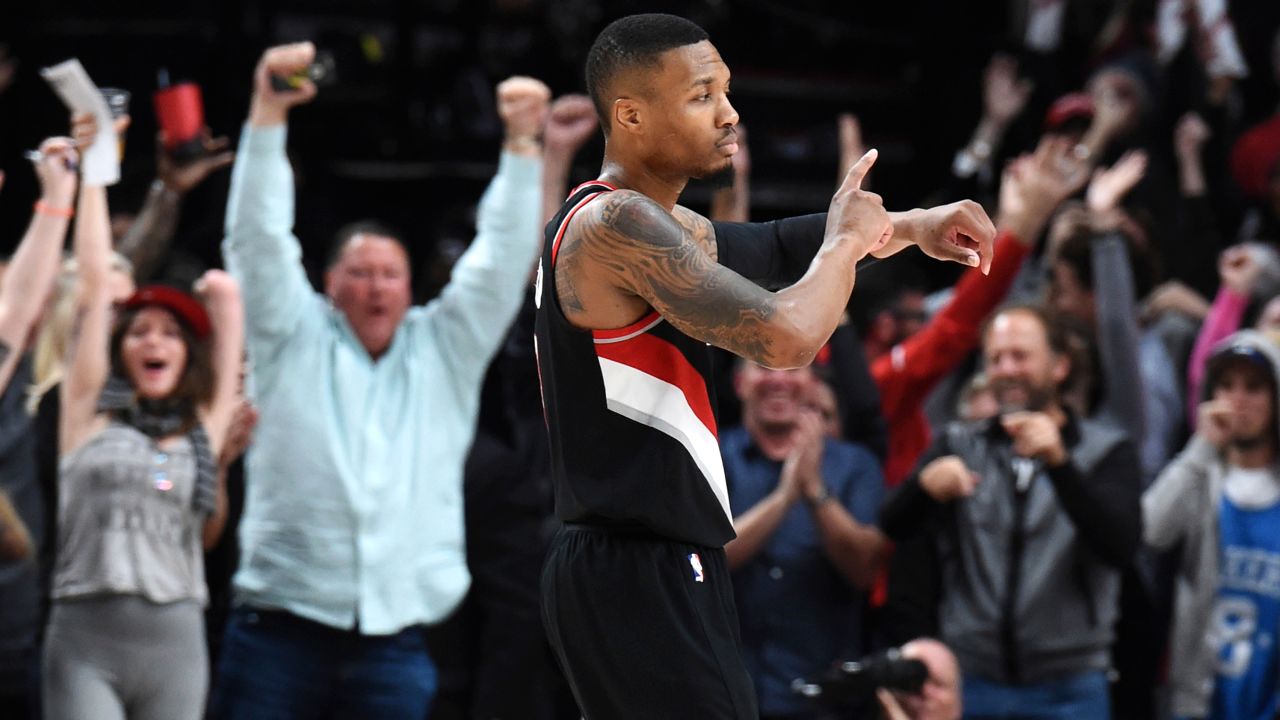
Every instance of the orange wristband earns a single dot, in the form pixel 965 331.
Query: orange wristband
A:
pixel 46 209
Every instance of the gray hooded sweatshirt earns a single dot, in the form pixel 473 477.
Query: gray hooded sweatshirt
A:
pixel 1183 505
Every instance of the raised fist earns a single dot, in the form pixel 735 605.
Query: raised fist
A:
pixel 523 104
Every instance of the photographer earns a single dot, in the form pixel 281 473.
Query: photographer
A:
pixel 1220 499
pixel 1032 514
pixel 918 681
pixel 939 697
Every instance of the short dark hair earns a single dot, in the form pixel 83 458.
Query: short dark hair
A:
pixel 631 42
pixel 361 227
pixel 1077 252
pixel 195 387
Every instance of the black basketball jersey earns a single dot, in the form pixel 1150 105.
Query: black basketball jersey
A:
pixel 630 413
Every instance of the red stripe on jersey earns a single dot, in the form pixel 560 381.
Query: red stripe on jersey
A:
pixel 564 224
pixel 656 357
pixel 640 325
pixel 589 182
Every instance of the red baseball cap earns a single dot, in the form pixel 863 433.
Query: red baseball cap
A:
pixel 1067 108
pixel 186 308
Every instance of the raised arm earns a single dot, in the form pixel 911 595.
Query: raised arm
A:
pixel 490 279
pixel 571 121
pixel 151 234
pixel 221 295
pixel 35 264
pixel 89 359
pixel 228 414
pixel 260 250
pixel 1116 305
pixel 641 249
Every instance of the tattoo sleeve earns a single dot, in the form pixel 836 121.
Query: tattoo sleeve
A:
pixel 657 257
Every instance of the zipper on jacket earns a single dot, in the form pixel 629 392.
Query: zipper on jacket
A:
pixel 1013 581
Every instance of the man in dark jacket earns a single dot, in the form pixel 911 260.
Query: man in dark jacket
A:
pixel 1031 514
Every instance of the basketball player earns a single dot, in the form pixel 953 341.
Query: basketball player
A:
pixel 631 290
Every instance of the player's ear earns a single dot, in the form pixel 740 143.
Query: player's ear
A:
pixel 628 115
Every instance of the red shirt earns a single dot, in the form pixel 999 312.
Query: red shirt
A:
pixel 908 373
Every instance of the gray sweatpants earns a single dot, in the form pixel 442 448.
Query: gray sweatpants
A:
pixel 122 656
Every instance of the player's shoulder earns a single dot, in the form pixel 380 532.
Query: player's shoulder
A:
pixel 628 216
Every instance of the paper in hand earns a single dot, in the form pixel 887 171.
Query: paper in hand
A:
pixel 100 162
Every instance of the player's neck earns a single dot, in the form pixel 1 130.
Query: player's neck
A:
pixel 635 176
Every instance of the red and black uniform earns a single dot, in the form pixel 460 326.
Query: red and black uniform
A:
pixel 636 593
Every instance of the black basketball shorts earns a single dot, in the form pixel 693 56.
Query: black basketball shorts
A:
pixel 645 627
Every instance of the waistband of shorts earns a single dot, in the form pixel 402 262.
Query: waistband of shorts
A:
pixel 626 530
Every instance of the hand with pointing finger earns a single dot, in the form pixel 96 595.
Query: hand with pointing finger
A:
pixel 858 214
pixel 960 232
pixel 1035 435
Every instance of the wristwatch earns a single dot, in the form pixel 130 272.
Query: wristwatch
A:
pixel 821 498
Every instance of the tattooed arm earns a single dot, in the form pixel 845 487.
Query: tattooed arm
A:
pixel 647 253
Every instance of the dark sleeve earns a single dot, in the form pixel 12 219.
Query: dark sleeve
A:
pixel 772 254
pixel 856 392
pixel 914 591
pixel 1105 506
pixel 909 508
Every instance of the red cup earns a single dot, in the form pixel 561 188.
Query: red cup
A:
pixel 180 114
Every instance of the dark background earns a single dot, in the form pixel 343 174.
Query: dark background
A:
pixel 409 134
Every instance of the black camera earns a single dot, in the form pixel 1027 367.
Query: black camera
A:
pixel 854 682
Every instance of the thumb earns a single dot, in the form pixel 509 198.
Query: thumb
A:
pixel 1013 421
pixel 860 169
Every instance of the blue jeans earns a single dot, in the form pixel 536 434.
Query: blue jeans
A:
pixel 1073 698
pixel 277 666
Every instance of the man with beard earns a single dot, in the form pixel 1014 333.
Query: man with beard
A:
pixel 1032 514
pixel 630 291
pixel 1220 498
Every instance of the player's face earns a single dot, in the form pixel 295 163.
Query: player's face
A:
pixel 692 126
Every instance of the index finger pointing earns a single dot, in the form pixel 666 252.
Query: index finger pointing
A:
pixel 860 169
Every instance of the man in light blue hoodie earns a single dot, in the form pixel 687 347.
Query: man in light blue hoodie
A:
pixel 352 535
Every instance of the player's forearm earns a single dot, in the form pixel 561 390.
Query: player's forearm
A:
pixel 809 310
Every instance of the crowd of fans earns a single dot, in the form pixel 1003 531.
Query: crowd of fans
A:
pixel 1055 484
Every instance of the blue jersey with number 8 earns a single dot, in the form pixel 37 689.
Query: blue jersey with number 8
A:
pixel 1246 619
